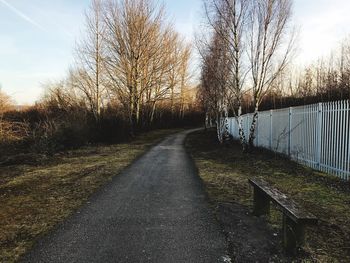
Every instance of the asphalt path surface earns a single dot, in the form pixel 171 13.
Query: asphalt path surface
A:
pixel 154 211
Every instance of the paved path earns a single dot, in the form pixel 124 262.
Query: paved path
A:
pixel 155 211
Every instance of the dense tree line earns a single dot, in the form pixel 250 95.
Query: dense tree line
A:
pixel 131 74
pixel 327 79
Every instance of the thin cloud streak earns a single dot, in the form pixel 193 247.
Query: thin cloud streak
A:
pixel 21 14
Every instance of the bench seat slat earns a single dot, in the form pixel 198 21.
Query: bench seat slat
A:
pixel 294 211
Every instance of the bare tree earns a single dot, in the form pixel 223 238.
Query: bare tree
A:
pixel 61 95
pixel 173 76
pixel 89 74
pixel 184 76
pixel 253 37
pixel 167 73
pixel 227 20
pixel 270 48
pixel 6 103
pixel 133 43
pixel 214 88
pixel 234 14
pixel 145 60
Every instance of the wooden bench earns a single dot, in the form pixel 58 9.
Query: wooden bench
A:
pixel 295 218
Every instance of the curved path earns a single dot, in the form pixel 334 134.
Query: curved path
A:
pixel 154 211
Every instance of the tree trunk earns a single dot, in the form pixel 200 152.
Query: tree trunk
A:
pixel 253 127
pixel 206 122
pixel 218 127
pixel 132 115
pixel 225 132
pixel 152 112
pixel 242 137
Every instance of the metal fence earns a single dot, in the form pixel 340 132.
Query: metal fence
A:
pixel 315 135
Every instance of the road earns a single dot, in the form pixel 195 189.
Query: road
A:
pixel 154 211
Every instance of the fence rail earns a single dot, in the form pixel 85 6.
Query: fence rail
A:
pixel 315 135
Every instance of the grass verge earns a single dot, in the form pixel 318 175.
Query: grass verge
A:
pixel 35 198
pixel 225 171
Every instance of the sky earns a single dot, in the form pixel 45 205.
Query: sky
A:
pixel 37 37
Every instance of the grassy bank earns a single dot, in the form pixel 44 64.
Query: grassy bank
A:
pixel 225 171
pixel 34 198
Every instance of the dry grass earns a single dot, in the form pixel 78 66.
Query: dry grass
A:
pixel 11 132
pixel 225 171
pixel 36 198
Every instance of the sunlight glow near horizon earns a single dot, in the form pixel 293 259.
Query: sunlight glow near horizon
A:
pixel 37 38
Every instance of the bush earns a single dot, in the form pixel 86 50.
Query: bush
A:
pixel 111 130
pixel 47 129
pixel 52 136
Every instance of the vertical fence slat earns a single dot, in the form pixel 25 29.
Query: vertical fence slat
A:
pixel 336 129
pixel 271 122
pixel 333 135
pixel 329 153
pixel 342 137
pixel 348 140
pixel 325 137
pixel 345 135
pixel 289 130
pixel 318 131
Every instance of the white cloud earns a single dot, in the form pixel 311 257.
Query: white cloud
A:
pixel 21 14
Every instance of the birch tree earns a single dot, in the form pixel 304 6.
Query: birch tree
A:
pixel 232 30
pixel 270 48
pixel 227 20
pixel 214 80
pixel 254 42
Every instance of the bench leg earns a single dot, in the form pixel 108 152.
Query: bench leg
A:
pixel 261 203
pixel 293 235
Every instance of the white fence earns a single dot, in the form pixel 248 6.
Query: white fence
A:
pixel 315 135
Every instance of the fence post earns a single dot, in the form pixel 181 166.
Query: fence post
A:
pixel 270 129
pixel 257 131
pixel 348 142
pixel 319 134
pixel 290 132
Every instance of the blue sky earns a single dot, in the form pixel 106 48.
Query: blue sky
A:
pixel 37 37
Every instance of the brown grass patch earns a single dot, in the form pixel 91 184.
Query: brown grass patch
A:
pixel 225 171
